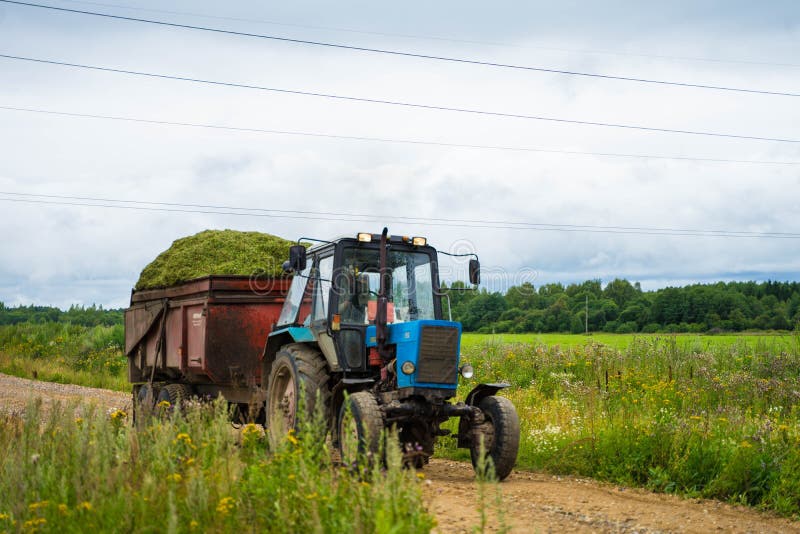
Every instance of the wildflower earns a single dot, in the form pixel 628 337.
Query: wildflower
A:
pixel 695 418
pixel 225 505
pixel 189 461
pixel 746 445
pixel 85 505
pixel 312 496
pixel 193 525
pixel 63 508
pixel 183 436
pixel 421 476
pixel 4 517
pixel 163 404
pixel 117 415
pixel 291 476
pixel 37 505
pixel 175 477
pixel 783 427
pixel 250 428
pixel 292 438
pixel 33 523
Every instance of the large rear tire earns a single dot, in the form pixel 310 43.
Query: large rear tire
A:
pixel 359 428
pixel 297 367
pixel 501 436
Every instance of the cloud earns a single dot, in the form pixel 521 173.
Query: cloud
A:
pixel 61 254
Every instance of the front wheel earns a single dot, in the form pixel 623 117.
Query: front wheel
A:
pixel 360 425
pixel 500 435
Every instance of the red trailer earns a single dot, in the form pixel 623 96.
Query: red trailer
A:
pixel 204 337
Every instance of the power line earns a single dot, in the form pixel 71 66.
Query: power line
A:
pixel 397 141
pixel 395 102
pixel 355 217
pixel 409 54
pixel 438 38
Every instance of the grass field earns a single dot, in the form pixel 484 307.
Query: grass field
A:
pixel 92 471
pixel 713 416
pixel 622 341
pixel 65 353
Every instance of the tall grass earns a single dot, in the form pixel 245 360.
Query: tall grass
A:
pixel 65 353
pixel 189 472
pixel 715 421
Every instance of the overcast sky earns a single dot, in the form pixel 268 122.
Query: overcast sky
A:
pixel 59 254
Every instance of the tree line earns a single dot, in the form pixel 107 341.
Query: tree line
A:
pixel 619 307
pixel 80 315
pixel 622 307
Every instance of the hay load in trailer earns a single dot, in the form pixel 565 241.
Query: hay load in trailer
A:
pixel 216 252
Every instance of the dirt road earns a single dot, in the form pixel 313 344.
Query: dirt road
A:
pixel 530 502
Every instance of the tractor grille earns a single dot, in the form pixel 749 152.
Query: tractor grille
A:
pixel 438 354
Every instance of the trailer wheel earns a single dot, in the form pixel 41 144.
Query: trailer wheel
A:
pixel 297 367
pixel 359 427
pixel 175 395
pixel 500 435
pixel 144 400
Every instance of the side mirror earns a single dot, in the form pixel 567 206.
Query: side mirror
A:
pixel 297 258
pixel 474 272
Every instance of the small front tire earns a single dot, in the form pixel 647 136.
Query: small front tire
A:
pixel 501 436
pixel 360 426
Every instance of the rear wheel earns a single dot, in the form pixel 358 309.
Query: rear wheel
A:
pixel 359 428
pixel 296 368
pixel 500 436
pixel 175 394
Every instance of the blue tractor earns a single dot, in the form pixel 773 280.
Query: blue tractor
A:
pixel 362 332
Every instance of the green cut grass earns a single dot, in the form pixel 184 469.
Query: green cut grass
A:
pixel 216 252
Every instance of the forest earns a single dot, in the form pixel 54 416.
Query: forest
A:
pixel 618 307
pixel 77 315
pixel 622 307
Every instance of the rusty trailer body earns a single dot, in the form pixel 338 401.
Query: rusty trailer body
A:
pixel 207 335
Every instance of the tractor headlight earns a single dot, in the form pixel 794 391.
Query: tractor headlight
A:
pixel 467 371
pixel 408 368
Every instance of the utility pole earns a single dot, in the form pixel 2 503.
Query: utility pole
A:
pixel 586 315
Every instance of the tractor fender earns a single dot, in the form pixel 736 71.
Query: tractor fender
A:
pixel 278 339
pixel 484 390
pixel 474 398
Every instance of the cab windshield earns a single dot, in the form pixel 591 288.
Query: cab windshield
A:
pixel 411 290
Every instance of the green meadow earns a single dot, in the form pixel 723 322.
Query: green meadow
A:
pixel 707 416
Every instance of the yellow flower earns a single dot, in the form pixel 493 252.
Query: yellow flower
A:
pixel 189 461
pixel 85 505
pixel 291 437
pixel 3 517
pixel 175 477
pixel 193 525
pixel 783 427
pixel 421 476
pixel 291 476
pixel 63 508
pixel 746 445
pixel 695 418
pixel 33 523
pixel 118 414
pixel 225 505
pixel 37 505
pixel 250 428
pixel 312 496
pixel 163 404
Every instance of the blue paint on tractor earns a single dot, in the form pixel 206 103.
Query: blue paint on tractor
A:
pixel 406 336
pixel 300 334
